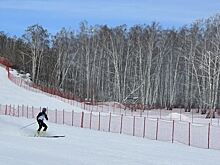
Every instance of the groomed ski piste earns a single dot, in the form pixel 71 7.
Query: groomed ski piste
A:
pixel 81 146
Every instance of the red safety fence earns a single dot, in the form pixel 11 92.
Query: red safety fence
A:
pixel 4 61
pixel 197 135
pixel 107 107
pixel 113 107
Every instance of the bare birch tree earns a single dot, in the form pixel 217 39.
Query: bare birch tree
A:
pixel 37 39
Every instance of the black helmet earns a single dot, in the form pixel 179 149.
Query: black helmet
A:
pixel 44 110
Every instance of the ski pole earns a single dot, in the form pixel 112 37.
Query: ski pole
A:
pixel 27 125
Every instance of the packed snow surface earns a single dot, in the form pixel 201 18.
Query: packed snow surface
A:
pixel 88 147
pixel 15 95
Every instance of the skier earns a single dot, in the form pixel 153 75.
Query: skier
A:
pixel 40 119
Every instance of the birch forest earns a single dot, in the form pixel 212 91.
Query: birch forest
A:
pixel 142 64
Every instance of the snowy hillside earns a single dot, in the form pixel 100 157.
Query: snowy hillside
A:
pixel 81 146
pixel 14 95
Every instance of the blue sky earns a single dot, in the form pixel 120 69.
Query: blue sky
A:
pixel 17 15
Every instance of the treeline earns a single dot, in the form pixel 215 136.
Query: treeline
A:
pixel 158 67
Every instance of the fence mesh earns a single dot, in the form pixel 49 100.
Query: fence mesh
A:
pixel 197 135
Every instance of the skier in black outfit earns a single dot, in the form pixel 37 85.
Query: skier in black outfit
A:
pixel 40 119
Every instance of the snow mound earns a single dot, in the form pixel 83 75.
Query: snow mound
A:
pixel 178 116
pixel 25 76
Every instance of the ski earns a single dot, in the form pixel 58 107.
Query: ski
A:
pixel 52 136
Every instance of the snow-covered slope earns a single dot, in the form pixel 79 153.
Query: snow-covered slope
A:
pixel 82 146
pixel 12 94
pixel 87 147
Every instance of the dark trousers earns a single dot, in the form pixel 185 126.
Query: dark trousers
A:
pixel 41 124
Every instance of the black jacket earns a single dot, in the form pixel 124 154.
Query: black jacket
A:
pixel 41 116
